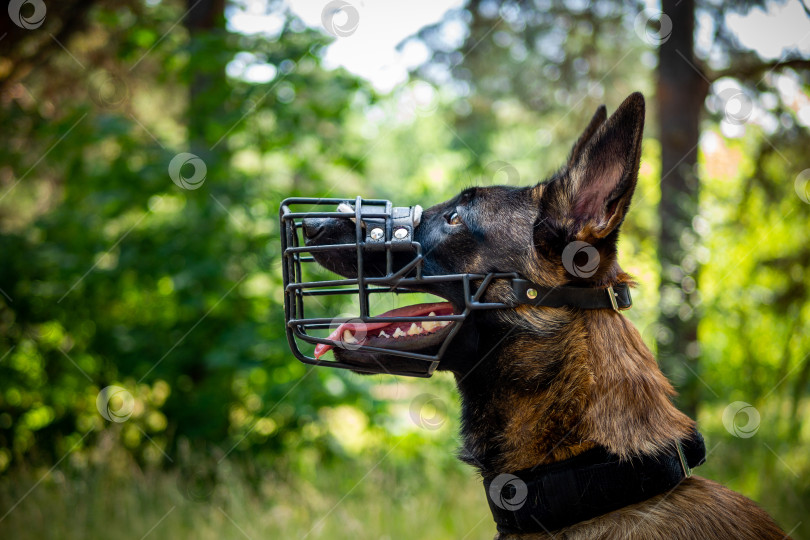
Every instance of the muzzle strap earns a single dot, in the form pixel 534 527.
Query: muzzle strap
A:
pixel 616 297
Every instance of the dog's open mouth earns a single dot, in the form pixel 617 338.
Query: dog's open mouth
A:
pixel 401 336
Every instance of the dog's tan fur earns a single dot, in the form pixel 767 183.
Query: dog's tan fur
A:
pixel 569 380
pixel 610 392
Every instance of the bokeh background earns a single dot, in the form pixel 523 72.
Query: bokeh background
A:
pixel 146 387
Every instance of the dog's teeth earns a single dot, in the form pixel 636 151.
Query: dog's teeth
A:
pixel 348 337
pixel 414 329
pixel 383 334
pixel 430 325
pixel 399 333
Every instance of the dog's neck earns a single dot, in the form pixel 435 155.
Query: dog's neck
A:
pixel 565 383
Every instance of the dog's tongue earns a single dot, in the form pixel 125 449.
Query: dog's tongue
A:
pixel 416 310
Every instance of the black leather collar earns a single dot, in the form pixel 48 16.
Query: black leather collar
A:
pixel 593 483
pixel 616 297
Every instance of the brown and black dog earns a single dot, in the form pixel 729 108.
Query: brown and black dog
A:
pixel 540 385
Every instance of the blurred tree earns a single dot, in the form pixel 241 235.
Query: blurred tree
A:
pixel 114 274
pixel 680 93
pixel 554 61
pixel 22 50
pixel 205 72
pixel 683 83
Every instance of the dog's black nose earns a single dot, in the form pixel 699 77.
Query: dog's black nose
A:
pixel 312 227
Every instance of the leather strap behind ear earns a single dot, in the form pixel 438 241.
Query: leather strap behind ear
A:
pixel 576 297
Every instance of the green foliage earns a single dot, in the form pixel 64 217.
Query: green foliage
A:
pixel 112 274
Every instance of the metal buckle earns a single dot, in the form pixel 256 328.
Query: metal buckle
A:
pixel 686 470
pixel 612 295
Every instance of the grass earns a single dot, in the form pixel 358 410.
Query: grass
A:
pixel 341 503
pixel 376 496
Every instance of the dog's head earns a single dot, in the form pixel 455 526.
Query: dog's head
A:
pixel 562 231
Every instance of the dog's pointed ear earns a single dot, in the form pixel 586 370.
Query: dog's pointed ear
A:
pixel 594 192
pixel 597 120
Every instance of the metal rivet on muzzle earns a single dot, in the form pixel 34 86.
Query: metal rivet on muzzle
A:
pixel 531 293
pixel 376 233
pixel 401 234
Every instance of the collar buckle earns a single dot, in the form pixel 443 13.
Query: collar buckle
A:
pixel 612 295
pixel 687 470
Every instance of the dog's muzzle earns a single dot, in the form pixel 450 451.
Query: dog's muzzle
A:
pixel 372 246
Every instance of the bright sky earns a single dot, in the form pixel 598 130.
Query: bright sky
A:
pixel 785 24
pixel 370 49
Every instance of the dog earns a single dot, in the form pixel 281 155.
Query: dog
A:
pixel 558 390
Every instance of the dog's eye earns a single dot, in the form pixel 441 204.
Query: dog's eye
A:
pixel 454 219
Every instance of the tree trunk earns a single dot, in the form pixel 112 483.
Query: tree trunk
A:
pixel 681 91
pixel 206 76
